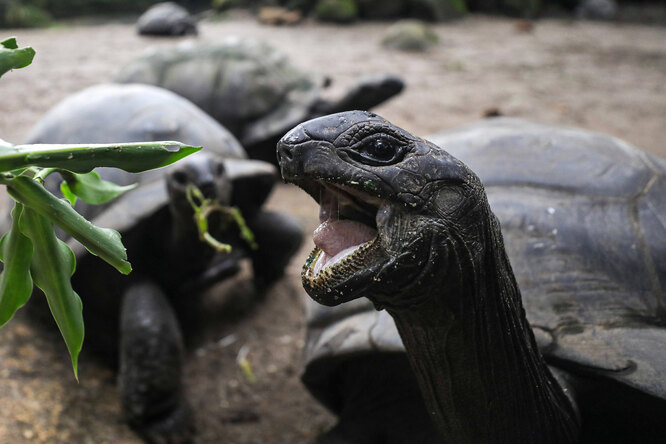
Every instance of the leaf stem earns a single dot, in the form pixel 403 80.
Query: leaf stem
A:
pixel 203 208
pixel 43 173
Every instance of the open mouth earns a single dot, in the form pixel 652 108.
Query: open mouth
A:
pixel 346 234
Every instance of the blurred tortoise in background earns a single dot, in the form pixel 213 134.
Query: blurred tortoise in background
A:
pixel 251 88
pixel 166 19
pixel 135 321
pixel 407 225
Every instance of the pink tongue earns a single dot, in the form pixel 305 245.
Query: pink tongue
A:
pixel 333 236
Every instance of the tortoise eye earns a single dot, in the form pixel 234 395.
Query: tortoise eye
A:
pixel 180 177
pixel 378 150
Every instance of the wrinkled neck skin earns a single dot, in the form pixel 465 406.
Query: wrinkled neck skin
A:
pixel 471 347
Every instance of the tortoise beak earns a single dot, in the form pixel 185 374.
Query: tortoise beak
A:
pixel 289 152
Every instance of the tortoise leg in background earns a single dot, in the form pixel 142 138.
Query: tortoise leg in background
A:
pixel 278 237
pixel 379 403
pixel 151 358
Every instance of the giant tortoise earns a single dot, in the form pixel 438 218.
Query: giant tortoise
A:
pixel 251 88
pixel 579 357
pixel 137 319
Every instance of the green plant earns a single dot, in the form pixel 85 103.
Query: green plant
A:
pixel 13 57
pixel 437 10
pixel 204 207
pixel 20 14
pixel 338 11
pixel 30 250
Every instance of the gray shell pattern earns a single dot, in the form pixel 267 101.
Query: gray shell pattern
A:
pixel 247 85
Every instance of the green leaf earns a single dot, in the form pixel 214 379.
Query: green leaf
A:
pixel 52 267
pixel 132 157
pixel 91 188
pixel 68 193
pixel 11 57
pixel 10 43
pixel 15 280
pixel 102 242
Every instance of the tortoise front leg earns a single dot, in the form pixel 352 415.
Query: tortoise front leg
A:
pixel 377 401
pixel 150 376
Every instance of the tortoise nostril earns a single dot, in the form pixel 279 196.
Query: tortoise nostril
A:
pixel 286 153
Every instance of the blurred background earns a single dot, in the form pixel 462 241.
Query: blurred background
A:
pixel 594 64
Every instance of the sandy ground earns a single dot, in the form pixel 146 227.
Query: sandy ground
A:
pixel 605 77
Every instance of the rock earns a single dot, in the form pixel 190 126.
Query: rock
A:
pixel 274 15
pixel 596 9
pixel 337 11
pixel 410 35
pixel 493 111
pixel 168 19
pixel 523 26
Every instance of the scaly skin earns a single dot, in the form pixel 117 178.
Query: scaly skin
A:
pixel 439 267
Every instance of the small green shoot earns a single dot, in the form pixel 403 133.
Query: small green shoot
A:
pixel 204 207
pixel 244 364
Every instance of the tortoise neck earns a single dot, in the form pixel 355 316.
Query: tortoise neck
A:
pixel 186 253
pixel 475 357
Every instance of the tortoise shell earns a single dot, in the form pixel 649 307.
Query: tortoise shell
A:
pixel 248 86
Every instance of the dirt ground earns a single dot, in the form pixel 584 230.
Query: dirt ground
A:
pixel 601 76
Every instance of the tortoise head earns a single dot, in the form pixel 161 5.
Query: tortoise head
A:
pixel 390 206
pixel 207 173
